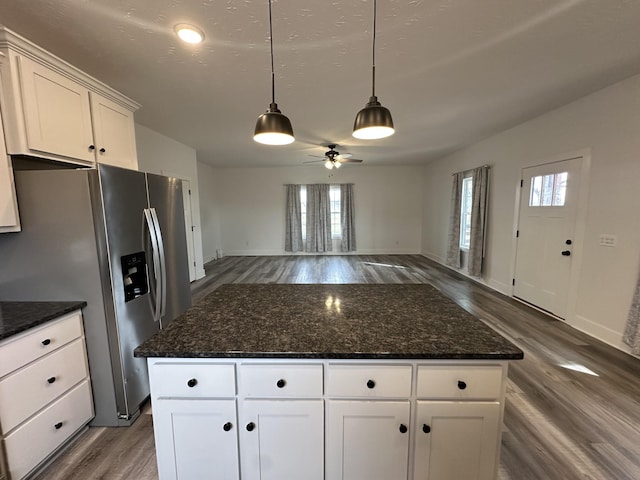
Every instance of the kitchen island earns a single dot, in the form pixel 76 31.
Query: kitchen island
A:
pixel 328 382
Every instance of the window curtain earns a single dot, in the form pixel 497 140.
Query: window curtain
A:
pixel 453 242
pixel 347 220
pixel 318 219
pixel 293 229
pixel 478 220
pixel 632 331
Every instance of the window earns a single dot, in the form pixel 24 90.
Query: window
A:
pixel 465 212
pixel 334 201
pixel 548 190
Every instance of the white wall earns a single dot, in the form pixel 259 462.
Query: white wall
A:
pixel 164 156
pixel 248 205
pixel 605 124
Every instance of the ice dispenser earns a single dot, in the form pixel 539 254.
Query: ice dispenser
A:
pixel 134 273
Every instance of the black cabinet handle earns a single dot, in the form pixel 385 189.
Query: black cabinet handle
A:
pixel 403 428
pixel 51 379
pixel 426 428
pixel 250 426
pixel 568 242
pixel 227 426
pixel 58 425
pixel 192 383
pixel 281 383
pixel 92 147
pixel 102 150
pixel 46 341
pixel 462 385
pixel 566 253
pixel 371 384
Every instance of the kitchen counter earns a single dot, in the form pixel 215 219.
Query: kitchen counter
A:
pixel 16 317
pixel 355 321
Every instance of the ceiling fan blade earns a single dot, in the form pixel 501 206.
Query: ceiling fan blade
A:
pixel 351 160
pixel 344 155
pixel 313 161
pixel 316 156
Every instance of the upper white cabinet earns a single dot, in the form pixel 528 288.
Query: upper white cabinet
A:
pixel 9 221
pixel 55 111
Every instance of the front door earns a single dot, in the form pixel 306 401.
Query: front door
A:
pixel 546 230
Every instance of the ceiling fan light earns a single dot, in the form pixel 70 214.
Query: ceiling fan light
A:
pixel 337 164
pixel 373 121
pixel 273 128
pixel 328 164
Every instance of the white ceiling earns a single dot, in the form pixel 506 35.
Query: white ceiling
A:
pixel 451 71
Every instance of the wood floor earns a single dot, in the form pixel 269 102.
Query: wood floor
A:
pixel 573 403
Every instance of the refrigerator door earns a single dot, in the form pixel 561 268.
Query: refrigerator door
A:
pixel 165 198
pixel 124 201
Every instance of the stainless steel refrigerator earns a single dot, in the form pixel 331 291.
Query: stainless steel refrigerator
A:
pixel 116 239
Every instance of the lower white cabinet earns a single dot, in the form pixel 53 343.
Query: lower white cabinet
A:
pixel 327 420
pixel 199 438
pixel 367 439
pixel 456 440
pixel 282 439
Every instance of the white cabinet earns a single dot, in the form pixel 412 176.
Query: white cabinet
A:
pixel 45 394
pixel 55 111
pixel 9 220
pixel 367 439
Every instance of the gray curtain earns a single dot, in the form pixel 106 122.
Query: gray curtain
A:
pixel 478 220
pixel 453 241
pixel 632 331
pixel 318 219
pixel 293 229
pixel 347 218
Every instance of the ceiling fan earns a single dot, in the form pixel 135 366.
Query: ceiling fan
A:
pixel 334 159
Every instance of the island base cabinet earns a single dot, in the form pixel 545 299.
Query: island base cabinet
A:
pixel 456 440
pixel 367 440
pixel 196 439
pixel 282 439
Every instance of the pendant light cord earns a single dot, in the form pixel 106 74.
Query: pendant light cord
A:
pixel 273 75
pixel 373 83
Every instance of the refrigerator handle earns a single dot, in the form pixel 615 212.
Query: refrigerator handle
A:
pixel 156 262
pixel 163 263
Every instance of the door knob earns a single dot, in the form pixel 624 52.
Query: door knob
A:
pixel 566 253
pixel 403 428
pixel 568 242
pixel 250 426
pixel 227 426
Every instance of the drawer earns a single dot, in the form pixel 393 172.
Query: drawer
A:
pixel 192 379
pixel 25 347
pixel 33 441
pixel 283 380
pixel 369 381
pixel 27 390
pixel 459 382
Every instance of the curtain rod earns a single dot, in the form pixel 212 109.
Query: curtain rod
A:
pixel 471 169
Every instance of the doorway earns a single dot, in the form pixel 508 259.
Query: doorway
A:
pixel 188 224
pixel 546 234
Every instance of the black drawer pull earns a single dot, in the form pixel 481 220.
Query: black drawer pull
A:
pixel 403 428
pixel 58 425
pixel 192 383
pixel 462 385
pixel 227 426
pixel 102 150
pixel 371 384
pixel 281 383
pixel 46 341
pixel 51 379
pixel 426 428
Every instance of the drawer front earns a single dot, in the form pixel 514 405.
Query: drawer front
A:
pixel 29 389
pixel 23 348
pixel 33 441
pixel 286 380
pixel 369 381
pixel 459 382
pixel 192 380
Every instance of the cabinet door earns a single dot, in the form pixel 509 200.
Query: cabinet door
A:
pixel 456 440
pixel 196 439
pixel 8 205
pixel 367 440
pixel 56 112
pixel 282 439
pixel 114 133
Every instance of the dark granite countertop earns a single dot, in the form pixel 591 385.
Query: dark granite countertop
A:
pixel 16 317
pixel 355 321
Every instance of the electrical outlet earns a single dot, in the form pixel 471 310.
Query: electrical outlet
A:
pixel 608 240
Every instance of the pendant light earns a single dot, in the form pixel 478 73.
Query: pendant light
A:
pixel 373 121
pixel 272 127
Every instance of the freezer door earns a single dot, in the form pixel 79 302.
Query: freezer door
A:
pixel 124 200
pixel 165 197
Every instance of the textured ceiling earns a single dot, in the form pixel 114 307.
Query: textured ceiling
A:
pixel 451 71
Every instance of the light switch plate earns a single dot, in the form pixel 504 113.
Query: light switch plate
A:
pixel 608 240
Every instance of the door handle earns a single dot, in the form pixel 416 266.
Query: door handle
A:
pixel 156 264
pixel 566 253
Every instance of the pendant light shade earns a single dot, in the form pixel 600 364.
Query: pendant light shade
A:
pixel 272 127
pixel 373 121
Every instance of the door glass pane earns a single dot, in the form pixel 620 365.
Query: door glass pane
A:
pixel 536 190
pixel 560 189
pixel 547 190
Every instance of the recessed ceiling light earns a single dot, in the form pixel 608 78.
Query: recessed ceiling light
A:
pixel 189 33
